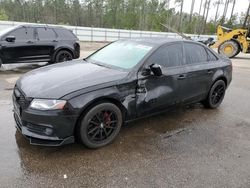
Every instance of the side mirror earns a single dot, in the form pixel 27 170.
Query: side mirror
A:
pixel 156 69
pixel 10 38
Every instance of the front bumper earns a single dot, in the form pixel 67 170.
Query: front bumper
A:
pixel 45 128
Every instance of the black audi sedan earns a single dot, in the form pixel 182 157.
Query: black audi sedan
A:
pixel 89 100
pixel 37 43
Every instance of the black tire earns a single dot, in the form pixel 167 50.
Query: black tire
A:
pixel 100 125
pixel 239 50
pixel 216 95
pixel 63 55
pixel 231 44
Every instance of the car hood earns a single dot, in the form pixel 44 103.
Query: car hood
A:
pixel 56 81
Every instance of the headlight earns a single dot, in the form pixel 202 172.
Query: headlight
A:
pixel 43 104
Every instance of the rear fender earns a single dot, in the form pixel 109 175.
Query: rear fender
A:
pixel 219 74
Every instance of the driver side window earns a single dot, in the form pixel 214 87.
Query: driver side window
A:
pixel 22 34
pixel 167 56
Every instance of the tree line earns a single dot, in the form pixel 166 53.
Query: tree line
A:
pixel 126 14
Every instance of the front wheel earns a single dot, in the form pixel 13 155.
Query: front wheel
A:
pixel 100 125
pixel 216 95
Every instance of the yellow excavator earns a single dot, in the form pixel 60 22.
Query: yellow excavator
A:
pixel 231 42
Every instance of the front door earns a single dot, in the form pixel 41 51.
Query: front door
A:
pixel 20 50
pixel 158 93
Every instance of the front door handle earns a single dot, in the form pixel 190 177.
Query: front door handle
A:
pixel 210 72
pixel 181 77
pixel 30 42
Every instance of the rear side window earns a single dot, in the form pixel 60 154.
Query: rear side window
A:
pixel 46 33
pixel 23 34
pixel 167 56
pixel 211 56
pixel 65 33
pixel 195 53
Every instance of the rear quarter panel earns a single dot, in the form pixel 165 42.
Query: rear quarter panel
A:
pixel 223 69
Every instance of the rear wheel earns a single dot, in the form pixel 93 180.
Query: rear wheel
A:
pixel 100 125
pixel 216 95
pixel 63 55
pixel 229 48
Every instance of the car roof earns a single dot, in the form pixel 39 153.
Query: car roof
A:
pixel 158 41
pixel 41 25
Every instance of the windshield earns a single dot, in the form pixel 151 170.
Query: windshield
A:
pixel 121 54
pixel 4 31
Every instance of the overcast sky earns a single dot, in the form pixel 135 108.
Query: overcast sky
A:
pixel 240 6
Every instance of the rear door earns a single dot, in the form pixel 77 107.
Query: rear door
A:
pixel 20 50
pixel 155 93
pixel 199 71
pixel 46 41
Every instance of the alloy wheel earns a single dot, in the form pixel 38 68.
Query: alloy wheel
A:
pixel 102 125
pixel 217 94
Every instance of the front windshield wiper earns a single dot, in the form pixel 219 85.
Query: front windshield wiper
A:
pixel 97 63
pixel 103 64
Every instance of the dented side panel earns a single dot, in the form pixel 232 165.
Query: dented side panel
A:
pixel 123 93
pixel 158 93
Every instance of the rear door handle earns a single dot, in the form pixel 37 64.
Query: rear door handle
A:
pixel 30 42
pixel 54 40
pixel 181 77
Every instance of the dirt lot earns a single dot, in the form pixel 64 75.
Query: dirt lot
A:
pixel 191 147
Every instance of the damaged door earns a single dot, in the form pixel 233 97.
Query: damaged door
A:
pixel 156 93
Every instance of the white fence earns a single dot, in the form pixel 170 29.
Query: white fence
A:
pixel 102 34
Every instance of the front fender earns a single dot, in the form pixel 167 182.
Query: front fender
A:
pixel 122 95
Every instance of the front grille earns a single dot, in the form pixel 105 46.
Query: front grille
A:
pixel 21 99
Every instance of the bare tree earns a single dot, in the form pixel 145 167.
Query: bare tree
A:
pixel 200 7
pixel 204 10
pixel 247 16
pixel 225 11
pixel 167 4
pixel 203 16
pixel 207 11
pixel 232 11
pixel 217 5
pixel 191 11
pixel 197 22
pixel 180 3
